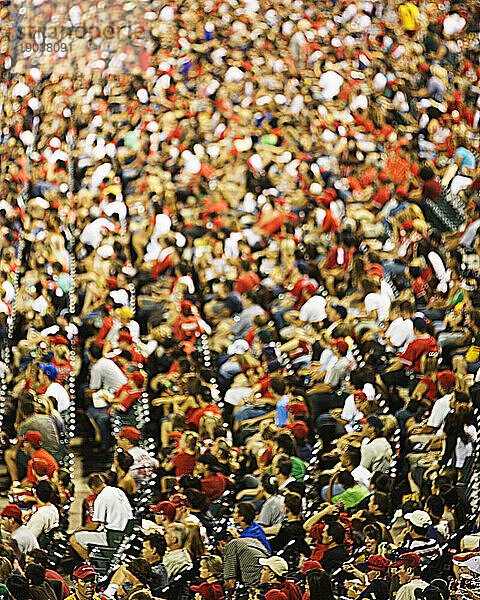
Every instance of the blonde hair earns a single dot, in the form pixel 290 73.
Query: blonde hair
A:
pixel 190 439
pixel 5 568
pixel 194 544
pixel 213 564
pixel 61 352
pixel 429 363
pixel 208 423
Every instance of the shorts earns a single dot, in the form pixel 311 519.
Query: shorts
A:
pixel 97 538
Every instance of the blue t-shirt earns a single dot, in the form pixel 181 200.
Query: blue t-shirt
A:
pixel 281 412
pixel 468 160
pixel 255 531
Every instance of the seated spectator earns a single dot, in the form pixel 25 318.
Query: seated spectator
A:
pixel 176 557
pixel 22 539
pixel 46 517
pixel 274 573
pixel 143 463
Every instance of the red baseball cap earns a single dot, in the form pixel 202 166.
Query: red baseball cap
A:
pixel 33 437
pixel 11 510
pixel 298 428
pixel 84 571
pixel 341 345
pixel 375 563
pixel 446 379
pixel 209 591
pixel 310 564
pixel 275 595
pixel 131 433
pixel 297 408
pixel 409 559
pixel 359 395
pixel 164 508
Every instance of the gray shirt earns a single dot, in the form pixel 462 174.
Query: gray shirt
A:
pixel 106 374
pixel 245 320
pixel 45 425
pixel 272 512
pixel 241 558
pixel 336 376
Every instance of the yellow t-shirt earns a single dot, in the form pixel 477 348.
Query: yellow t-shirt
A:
pixel 408 14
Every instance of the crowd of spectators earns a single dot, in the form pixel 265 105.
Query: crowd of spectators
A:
pixel 239 267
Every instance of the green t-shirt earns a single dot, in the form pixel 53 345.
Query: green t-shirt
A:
pixel 352 496
pixel 298 468
pixel 4 594
pixel 64 282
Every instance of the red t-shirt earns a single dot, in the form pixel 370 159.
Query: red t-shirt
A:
pixel 132 395
pixel 63 370
pixel 48 458
pixel 49 574
pixel 246 282
pixel 214 485
pixel 416 349
pixel 198 413
pixel 184 463
pixel 381 197
pixel 432 387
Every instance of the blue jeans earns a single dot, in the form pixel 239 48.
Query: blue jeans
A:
pixel 102 420
pixel 229 369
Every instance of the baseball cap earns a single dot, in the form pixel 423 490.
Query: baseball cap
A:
pixel 359 395
pixel 209 591
pixel 471 560
pixel 33 437
pixel 275 595
pixel 310 564
pixel 131 433
pixel 84 571
pixel 298 428
pixel 341 345
pixel 446 379
pixel 276 564
pixel 341 310
pixel 375 562
pixel 164 508
pixel 419 518
pixel 297 408
pixel 49 370
pixel 420 324
pixel 11 510
pixel 125 336
pixel 409 559
pixel 375 422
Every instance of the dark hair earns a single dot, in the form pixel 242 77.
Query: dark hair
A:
pixel 382 482
pixel 435 505
pixel 345 478
pixel 294 503
pixel 269 484
pixel 140 569
pixel 95 480
pixel 284 465
pixel 197 499
pixel 286 444
pixel 278 385
pixel 319 584
pixel 18 586
pixel 28 408
pixel 39 556
pixel 247 511
pixel 35 574
pixel 188 482
pixel 125 460
pixel 373 531
pixel 353 455
pixel 337 531
pixel 382 500
pixel 44 490
pixel 157 542
pixel 95 351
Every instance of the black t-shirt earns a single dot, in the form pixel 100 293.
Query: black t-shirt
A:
pixel 377 590
pixel 333 558
pixel 290 530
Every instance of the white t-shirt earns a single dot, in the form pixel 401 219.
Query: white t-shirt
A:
pixel 407 591
pixel 112 508
pixel 378 302
pixel 462 450
pixel 143 464
pixel 313 310
pixel 92 233
pixel 43 520
pixel 400 333
pixel 60 394
pixel 440 410
pixel 9 291
pixel 362 476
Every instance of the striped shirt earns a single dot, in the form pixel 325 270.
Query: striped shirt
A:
pixel 241 560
